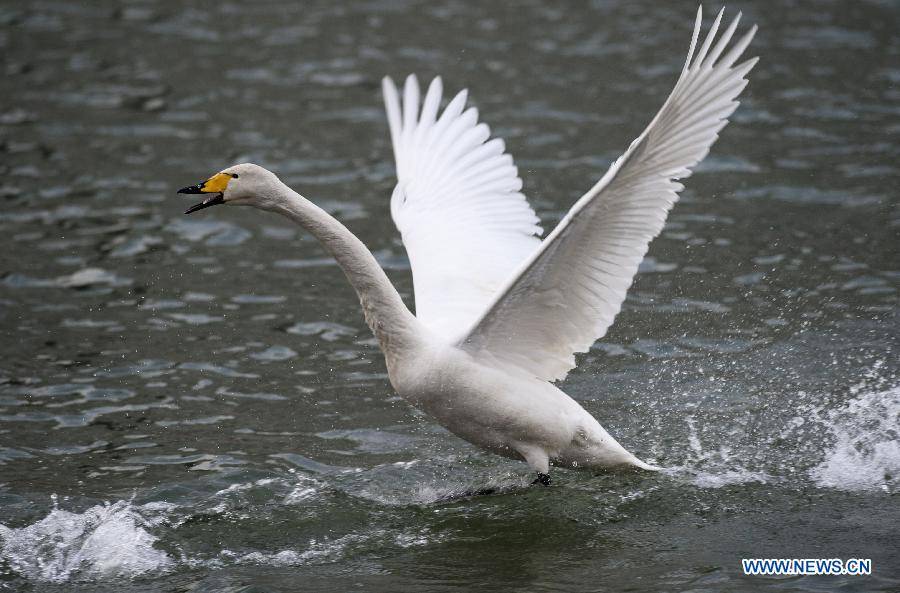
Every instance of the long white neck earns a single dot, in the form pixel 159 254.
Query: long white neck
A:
pixel 393 324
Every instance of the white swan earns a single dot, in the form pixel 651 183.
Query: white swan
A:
pixel 501 313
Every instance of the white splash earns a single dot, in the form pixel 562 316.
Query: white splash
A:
pixel 865 454
pixel 105 541
pixel 305 488
pixel 713 468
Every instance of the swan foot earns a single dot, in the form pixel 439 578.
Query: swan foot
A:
pixel 542 479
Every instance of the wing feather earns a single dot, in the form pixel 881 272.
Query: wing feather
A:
pixel 457 205
pixel 566 295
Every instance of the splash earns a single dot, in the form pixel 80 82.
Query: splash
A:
pixel 713 468
pixel 865 454
pixel 105 541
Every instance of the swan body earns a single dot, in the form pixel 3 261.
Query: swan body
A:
pixel 505 411
pixel 501 313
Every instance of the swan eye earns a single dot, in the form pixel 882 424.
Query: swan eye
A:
pixel 234 175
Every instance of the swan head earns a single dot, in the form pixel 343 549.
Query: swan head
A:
pixel 245 184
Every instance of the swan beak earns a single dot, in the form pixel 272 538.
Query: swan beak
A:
pixel 214 185
pixel 210 201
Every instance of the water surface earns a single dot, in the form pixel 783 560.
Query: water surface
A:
pixel 195 403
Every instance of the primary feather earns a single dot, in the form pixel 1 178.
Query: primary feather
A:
pixel 567 293
pixel 457 205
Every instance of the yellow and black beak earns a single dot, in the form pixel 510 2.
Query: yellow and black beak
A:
pixel 214 185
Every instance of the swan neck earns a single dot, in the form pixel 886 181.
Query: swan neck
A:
pixel 387 316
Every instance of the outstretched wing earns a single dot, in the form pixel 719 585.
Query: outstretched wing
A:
pixel 457 205
pixel 566 295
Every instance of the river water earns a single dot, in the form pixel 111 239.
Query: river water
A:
pixel 195 403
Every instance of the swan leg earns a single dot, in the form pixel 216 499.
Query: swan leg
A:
pixel 539 461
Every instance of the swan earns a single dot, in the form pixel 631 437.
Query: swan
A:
pixel 501 313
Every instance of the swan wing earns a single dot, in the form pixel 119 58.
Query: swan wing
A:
pixel 567 293
pixel 457 204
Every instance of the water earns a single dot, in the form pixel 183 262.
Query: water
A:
pixel 194 403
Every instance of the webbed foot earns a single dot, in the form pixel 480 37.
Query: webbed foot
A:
pixel 542 479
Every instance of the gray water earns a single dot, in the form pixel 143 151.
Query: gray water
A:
pixel 195 403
